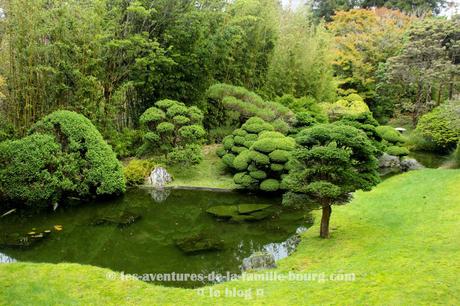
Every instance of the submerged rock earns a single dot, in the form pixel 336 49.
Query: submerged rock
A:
pixel 249 208
pixel 159 177
pixel 223 211
pixel 199 243
pixel 259 261
pixel 242 212
pixel 121 219
pixel 16 240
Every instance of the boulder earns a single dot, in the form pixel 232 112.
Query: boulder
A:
pixel 410 164
pixel 259 261
pixel 249 208
pixel 199 243
pixel 159 177
pixel 389 161
pixel 241 213
pixel 121 219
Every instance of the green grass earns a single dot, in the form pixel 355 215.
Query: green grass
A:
pixel 209 173
pixel 401 241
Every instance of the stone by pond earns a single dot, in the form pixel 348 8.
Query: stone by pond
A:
pixel 242 212
pixel 177 235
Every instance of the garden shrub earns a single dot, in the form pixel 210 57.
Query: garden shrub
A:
pixel 270 185
pixel 34 171
pixel 352 104
pixel 231 106
pixel 307 111
pixel 99 171
pixel 189 155
pixel 136 171
pixel 256 154
pixel 174 130
pixel 125 143
pixel 397 151
pixel 6 130
pixel 389 134
pixel 440 127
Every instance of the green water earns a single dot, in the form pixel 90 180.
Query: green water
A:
pixel 148 245
pixel 429 159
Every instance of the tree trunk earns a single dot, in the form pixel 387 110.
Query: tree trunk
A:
pixel 324 232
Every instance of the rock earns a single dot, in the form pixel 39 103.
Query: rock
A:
pixel 259 261
pixel 16 240
pixel 6 259
pixel 249 208
pixel 242 212
pixel 159 177
pixel 199 243
pixel 389 161
pixel 400 130
pixel 223 211
pixel 410 164
pixel 121 219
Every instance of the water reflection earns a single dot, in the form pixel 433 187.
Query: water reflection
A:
pixel 6 259
pixel 160 195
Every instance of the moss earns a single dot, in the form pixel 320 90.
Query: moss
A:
pixel 270 185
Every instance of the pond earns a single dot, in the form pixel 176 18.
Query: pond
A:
pixel 144 232
pixel 429 159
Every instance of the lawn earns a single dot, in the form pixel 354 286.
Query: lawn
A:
pixel 400 241
pixel 210 173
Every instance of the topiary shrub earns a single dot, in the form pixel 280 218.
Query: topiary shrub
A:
pixel 136 171
pixel 257 154
pixel 34 171
pixel 99 171
pixel 231 106
pixel 389 134
pixel 270 185
pixel 352 104
pixel 440 128
pixel 397 151
pixel 174 130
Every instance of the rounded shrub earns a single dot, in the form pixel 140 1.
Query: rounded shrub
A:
pixel 258 174
pixel 176 126
pixel 100 172
pixel 441 126
pixel 389 134
pixel 270 185
pixel 34 171
pixel 228 159
pixel 263 156
pixel 397 151
pixel 136 171
pixel 280 156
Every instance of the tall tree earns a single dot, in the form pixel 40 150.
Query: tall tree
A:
pixel 426 72
pixel 301 64
pixel 364 40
